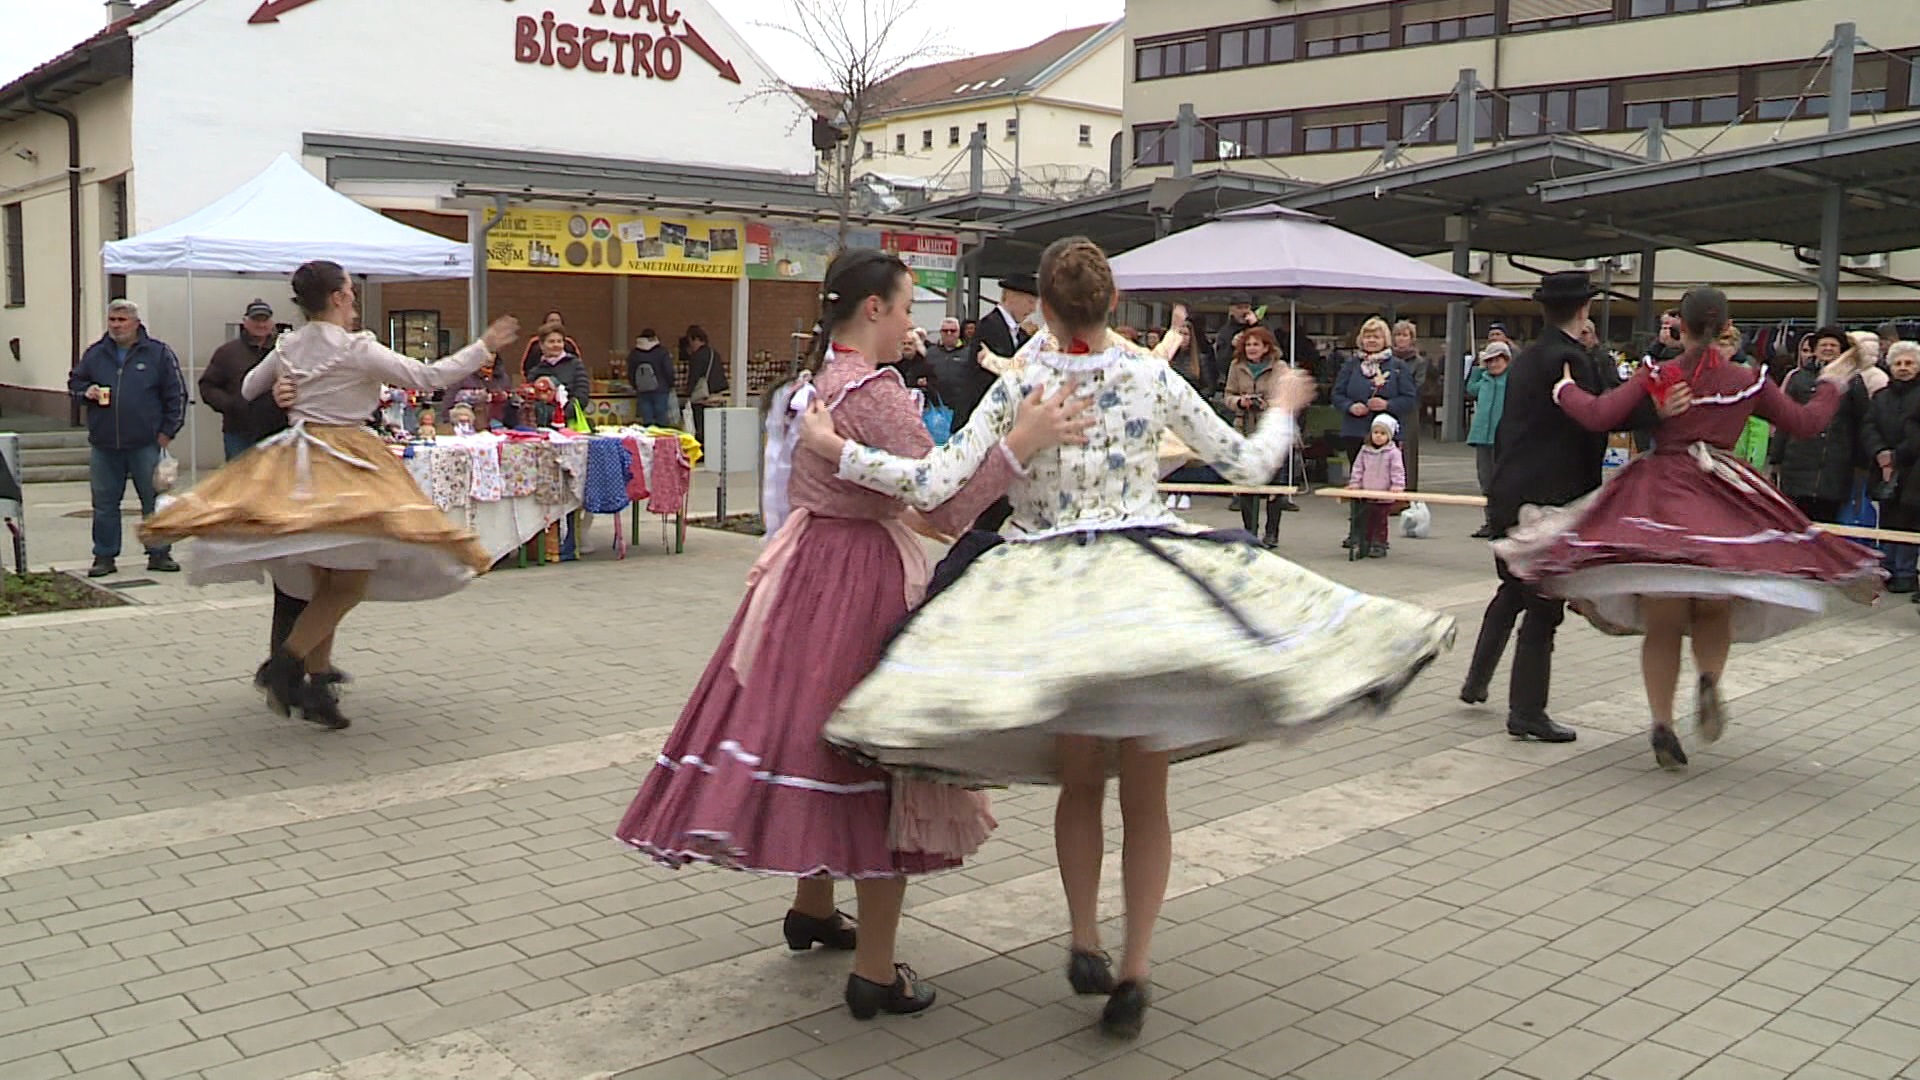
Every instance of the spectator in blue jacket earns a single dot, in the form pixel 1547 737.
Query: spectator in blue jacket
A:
pixel 1372 382
pixel 136 402
pixel 1487 386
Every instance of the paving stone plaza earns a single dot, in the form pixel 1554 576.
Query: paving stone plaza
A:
pixel 192 887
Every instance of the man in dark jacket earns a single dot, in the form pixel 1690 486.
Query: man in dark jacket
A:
pixel 136 403
pixel 243 422
pixel 1002 332
pixel 1817 473
pixel 650 370
pixel 1541 458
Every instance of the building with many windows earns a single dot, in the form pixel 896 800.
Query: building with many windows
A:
pixel 1323 90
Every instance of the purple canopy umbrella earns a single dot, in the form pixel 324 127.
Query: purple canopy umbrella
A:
pixel 1276 251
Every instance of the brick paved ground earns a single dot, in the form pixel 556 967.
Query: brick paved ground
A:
pixel 192 887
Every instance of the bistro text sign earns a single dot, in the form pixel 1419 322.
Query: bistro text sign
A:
pixel 658 48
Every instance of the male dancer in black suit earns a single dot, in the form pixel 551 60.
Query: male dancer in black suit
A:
pixel 1002 332
pixel 1541 458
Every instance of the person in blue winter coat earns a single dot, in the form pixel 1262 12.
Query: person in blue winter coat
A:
pixel 136 403
pixel 1487 385
pixel 1372 382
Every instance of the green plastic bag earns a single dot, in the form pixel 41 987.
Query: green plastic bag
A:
pixel 1752 446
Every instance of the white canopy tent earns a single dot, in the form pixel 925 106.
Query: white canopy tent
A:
pixel 280 219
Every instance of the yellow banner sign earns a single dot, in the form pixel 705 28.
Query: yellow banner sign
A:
pixel 569 242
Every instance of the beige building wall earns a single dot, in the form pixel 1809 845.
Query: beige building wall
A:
pixel 1786 31
pixel 39 186
pixel 1047 133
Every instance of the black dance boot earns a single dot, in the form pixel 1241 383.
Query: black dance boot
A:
pixel 284 679
pixel 1126 1011
pixel 1270 539
pixel 1250 515
pixel 320 704
pixel 836 932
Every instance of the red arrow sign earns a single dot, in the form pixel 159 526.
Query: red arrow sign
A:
pixel 271 10
pixel 700 48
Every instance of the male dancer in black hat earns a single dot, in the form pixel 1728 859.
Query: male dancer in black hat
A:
pixel 1541 458
pixel 1002 331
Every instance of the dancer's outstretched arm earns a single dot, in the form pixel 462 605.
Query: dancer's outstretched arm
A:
pixel 1242 459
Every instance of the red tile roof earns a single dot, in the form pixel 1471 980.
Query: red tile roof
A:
pixel 969 78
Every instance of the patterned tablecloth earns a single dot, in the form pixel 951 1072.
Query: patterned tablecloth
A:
pixel 508 489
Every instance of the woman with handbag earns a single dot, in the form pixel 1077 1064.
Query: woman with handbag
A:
pixel 707 383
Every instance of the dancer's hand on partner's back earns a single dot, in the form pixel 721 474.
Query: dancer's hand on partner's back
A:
pixel 284 391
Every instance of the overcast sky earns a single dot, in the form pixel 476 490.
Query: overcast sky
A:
pixel 38 30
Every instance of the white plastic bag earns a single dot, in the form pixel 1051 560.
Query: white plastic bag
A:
pixel 167 472
pixel 1416 521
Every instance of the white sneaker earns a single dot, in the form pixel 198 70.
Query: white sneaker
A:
pixel 1186 503
pixel 1173 502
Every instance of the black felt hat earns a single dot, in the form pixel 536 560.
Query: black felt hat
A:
pixel 1020 283
pixel 1565 287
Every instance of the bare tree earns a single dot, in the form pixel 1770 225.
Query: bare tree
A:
pixel 861 45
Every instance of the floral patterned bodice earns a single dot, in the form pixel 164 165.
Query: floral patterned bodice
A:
pixel 1110 483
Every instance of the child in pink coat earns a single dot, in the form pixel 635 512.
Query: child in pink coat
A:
pixel 1378 467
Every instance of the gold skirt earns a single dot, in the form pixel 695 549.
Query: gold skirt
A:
pixel 319 497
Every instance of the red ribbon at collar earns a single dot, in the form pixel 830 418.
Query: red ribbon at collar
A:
pixel 1076 347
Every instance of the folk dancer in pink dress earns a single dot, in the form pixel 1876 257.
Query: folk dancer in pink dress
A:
pixel 1688 540
pixel 1104 636
pixel 745 781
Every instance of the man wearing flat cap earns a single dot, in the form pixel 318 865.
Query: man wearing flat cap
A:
pixel 243 422
pixel 1540 458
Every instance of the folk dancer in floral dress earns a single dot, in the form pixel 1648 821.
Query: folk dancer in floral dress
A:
pixel 1108 635
pixel 745 780
pixel 1689 540
pixel 324 508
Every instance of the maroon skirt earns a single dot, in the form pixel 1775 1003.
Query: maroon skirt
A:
pixel 1690 522
pixel 745 780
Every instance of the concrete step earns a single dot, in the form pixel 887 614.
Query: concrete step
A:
pixel 53 474
pixel 51 440
pixel 65 455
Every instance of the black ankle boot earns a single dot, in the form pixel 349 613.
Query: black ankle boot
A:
pixel 1126 1011
pixel 866 999
pixel 320 704
pixel 284 679
pixel 1090 972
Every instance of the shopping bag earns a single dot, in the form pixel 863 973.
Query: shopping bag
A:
pixel 577 418
pixel 1860 512
pixel 1417 521
pixel 939 421
pixel 166 473
pixel 1752 445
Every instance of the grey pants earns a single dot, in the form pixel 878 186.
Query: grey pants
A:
pixel 1483 471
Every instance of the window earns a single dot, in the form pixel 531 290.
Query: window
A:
pixel 1542 112
pixel 1160 61
pixel 1153 145
pixel 981 127
pixel 1432 21
pixel 900 143
pixel 1525 15
pixel 1420 127
pixel 13 224
pixel 1704 99
pixel 115 224
pixel 1640 9
pixel 1350 32
pixel 953 135
pixel 1086 134
pixel 1253 46
pixel 1790 93
pixel 1343 129
pixel 866 149
pixel 926 139
pixel 1013 128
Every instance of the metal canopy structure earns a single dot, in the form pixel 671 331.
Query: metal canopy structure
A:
pixel 1407 207
pixel 1774 191
pixel 1127 218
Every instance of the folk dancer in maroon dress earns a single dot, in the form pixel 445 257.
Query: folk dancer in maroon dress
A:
pixel 1690 541
pixel 745 780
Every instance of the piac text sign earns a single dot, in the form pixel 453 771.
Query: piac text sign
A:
pixel 581 242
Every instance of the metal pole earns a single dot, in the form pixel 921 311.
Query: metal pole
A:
pixel 976 162
pixel 193 430
pixel 1186 134
pixel 1453 421
pixel 1647 318
pixel 477 284
pixel 1833 201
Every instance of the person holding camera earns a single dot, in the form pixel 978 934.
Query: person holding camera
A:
pixel 1253 379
